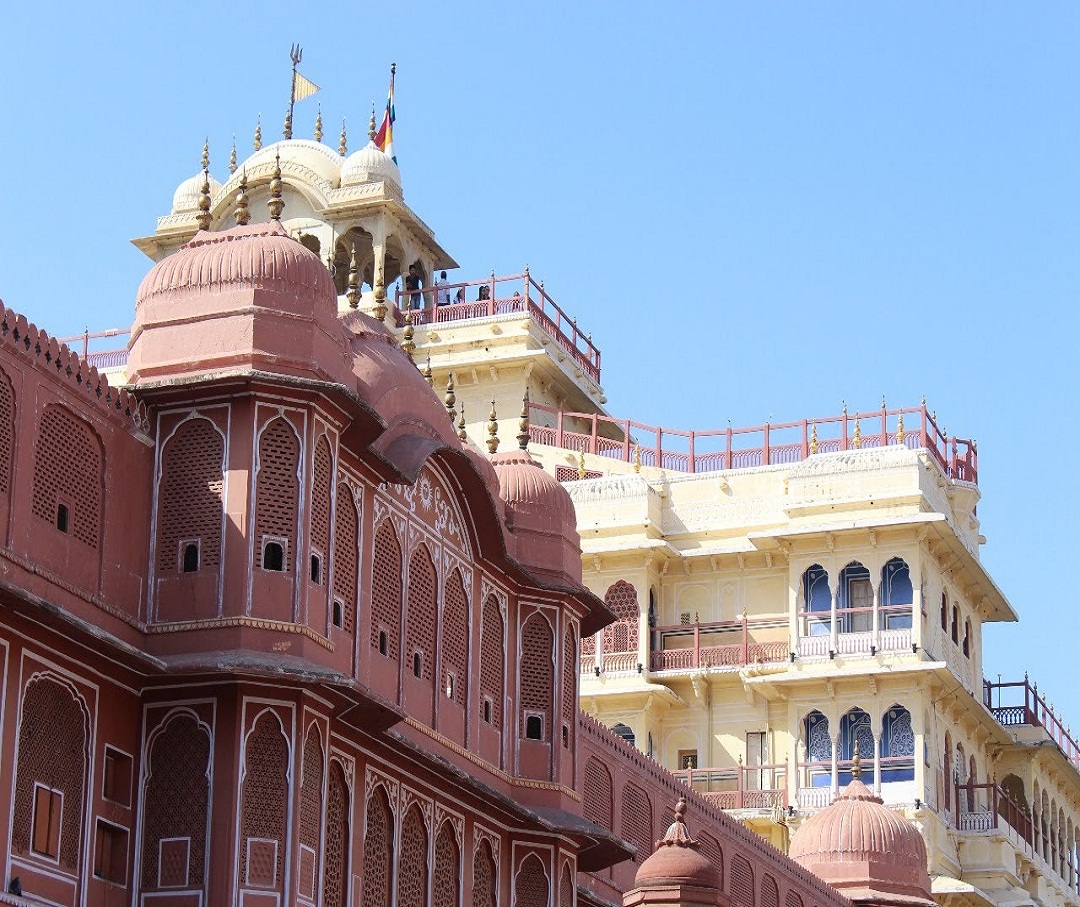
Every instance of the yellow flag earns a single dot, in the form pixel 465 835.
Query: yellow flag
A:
pixel 303 88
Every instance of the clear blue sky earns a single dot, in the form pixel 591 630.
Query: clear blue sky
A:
pixel 759 209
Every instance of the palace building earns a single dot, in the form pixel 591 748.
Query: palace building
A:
pixel 302 589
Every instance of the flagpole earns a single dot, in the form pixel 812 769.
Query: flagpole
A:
pixel 296 53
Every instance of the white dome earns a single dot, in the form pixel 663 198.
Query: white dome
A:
pixel 369 165
pixel 186 197
pixel 324 162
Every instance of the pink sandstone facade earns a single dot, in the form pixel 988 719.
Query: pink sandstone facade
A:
pixel 272 634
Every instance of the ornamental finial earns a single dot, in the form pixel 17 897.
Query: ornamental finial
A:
pixel 856 438
pixel 258 133
pixel 492 430
pixel 353 291
pixel 523 423
pixel 206 155
pixel 232 156
pixel 900 429
pixel 343 147
pixel 450 399
pixel 407 336
pixel 276 203
pixel 581 464
pixel 286 131
pixel 242 214
pixel 379 294
pixel 637 459
pixel 203 218
pixel 677 834
pixel 427 374
pixel 462 437
pixel 318 125
pixel 856 762
pixel 371 124
pixel 813 439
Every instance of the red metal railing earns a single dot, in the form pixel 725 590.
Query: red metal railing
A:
pixel 100 359
pixel 1031 710
pixel 744 649
pixel 760 445
pixel 739 787
pixel 517 293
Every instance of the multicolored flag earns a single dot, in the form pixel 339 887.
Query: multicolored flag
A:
pixel 384 138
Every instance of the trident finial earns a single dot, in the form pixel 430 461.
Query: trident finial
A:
pixel 493 430
pixel 523 423
pixel 242 214
pixel 353 291
pixel 276 203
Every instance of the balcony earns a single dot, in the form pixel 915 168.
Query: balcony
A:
pixel 761 445
pixel 517 294
pixel 1019 704
pixel 756 787
pixel 102 359
pixel 855 634
pixel 720 644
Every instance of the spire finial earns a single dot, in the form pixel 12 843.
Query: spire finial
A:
pixel 371 124
pixel 353 291
pixel 286 131
pixel 900 429
pixel 523 423
pixel 242 214
pixel 276 203
pixel 492 430
pixel 637 459
pixel 379 293
pixel 318 125
pixel 813 439
pixel 581 464
pixel 258 133
pixel 450 399
pixel 856 762
pixel 427 374
pixel 232 156
pixel 203 218
pixel 677 834
pixel 856 438
pixel 461 426
pixel 206 154
pixel 407 336
pixel 343 147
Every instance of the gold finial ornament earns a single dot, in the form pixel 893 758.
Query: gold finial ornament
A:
pixel 856 762
pixel 353 291
pixel 379 292
pixel 426 372
pixel 407 336
pixel 523 423
pixel 318 125
pixel 242 214
pixel 203 217
pixel 258 133
pixel 206 155
pixel 813 438
pixel 343 147
pixel 450 399
pixel 276 203
pixel 900 429
pixel 856 437
pixel 371 124
pixel 461 426
pixel 232 156
pixel 492 430
pixel 287 130
pixel 581 464
pixel 637 459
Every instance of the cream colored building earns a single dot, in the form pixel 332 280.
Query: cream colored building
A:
pixel 786 591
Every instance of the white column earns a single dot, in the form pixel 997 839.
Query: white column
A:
pixel 875 637
pixel 877 728
pixel 834 594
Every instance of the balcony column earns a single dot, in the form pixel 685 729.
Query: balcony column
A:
pixel 915 575
pixel 834 776
pixel 877 728
pixel 918 730
pixel 834 595
pixel 875 631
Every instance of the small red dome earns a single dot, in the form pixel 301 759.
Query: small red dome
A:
pixel 860 847
pixel 258 256
pixel 529 490
pixel 676 860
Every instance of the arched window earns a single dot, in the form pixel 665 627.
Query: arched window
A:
pixel 531 885
pixel 897 745
pixel 190 494
pixel 338 845
pixel 855 727
pixel 855 609
pixel 386 591
pixel 277 493
pixel 322 481
pixel 455 642
pixel 485 877
pixel 421 615
pixel 69 471
pixel 491 664
pixel 817 601
pixel 637 820
pixel 311 792
pixel 770 893
pixel 444 882
pixel 346 543
pixel 897 595
pixel 537 678
pixel 622 636
pixel 378 850
pixel 967 638
pixel 742 883
pixel 944 611
pixel 955 624
pixel 625 732
pixel 819 749
pixel 597 793
pixel 413 864
pixel 947 771
pixel 569 688
pixel 264 804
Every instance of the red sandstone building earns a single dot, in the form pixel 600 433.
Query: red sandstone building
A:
pixel 272 633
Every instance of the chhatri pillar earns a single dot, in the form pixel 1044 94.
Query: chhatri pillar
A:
pixel 677 874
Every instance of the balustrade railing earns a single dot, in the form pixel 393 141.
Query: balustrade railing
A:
pixel 1024 705
pixel 761 445
pixel 739 787
pixel 706 645
pixel 513 294
pixel 99 358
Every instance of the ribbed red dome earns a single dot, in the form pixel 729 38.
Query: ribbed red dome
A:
pixel 260 256
pixel 676 860
pixel 857 845
pixel 525 486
